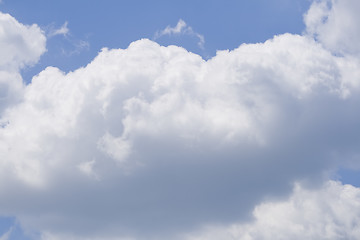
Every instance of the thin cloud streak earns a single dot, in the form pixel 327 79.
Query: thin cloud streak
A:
pixel 63 30
pixel 181 28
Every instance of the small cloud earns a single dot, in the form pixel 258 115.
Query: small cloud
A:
pixel 181 28
pixel 77 45
pixel 71 45
pixel 88 169
pixel 63 30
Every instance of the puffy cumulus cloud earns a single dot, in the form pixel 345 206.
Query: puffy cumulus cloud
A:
pixel 334 23
pixel 330 213
pixel 149 142
pixel 20 46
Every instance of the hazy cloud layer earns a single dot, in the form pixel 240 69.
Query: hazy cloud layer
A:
pixel 152 142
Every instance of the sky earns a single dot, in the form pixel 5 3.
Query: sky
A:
pixel 115 24
pixel 184 120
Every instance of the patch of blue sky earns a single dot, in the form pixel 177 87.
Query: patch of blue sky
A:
pixel 6 224
pixel 115 24
pixel 348 176
pixel 11 230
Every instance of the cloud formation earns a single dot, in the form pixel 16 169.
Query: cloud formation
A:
pixel 20 46
pixel 69 44
pixel 334 23
pixel 152 142
pixel 331 213
pixel 181 28
pixel 63 30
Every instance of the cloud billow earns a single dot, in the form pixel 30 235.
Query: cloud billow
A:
pixel 20 46
pixel 154 142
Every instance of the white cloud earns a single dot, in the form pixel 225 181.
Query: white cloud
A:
pixel 77 47
pixel 175 142
pixel 20 46
pixel 71 45
pixel 63 30
pixel 331 213
pixel 181 28
pixel 334 23
pixel 185 132
pixel 116 148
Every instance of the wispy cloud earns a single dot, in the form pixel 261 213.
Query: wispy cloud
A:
pixel 6 236
pixel 63 30
pixel 181 28
pixel 72 44
pixel 77 47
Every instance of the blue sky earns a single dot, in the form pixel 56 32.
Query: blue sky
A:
pixel 184 120
pixel 115 24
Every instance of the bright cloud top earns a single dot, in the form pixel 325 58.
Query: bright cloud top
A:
pixel 334 23
pixel 154 142
pixel 20 46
